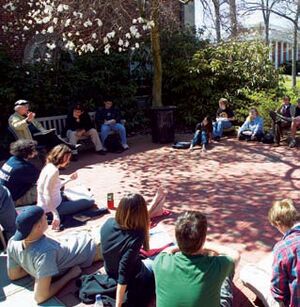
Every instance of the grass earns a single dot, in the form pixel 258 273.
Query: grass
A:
pixel 288 82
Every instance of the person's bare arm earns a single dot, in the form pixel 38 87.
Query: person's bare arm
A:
pixel 16 273
pixel 120 294
pixel 222 250
pixel 44 289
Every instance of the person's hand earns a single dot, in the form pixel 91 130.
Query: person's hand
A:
pixel 55 223
pixel 30 116
pixel 73 176
pixel 75 271
pixel 171 250
pixel 112 121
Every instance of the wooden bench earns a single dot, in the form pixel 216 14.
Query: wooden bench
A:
pixel 58 122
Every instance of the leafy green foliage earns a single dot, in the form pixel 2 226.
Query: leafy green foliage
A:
pixel 196 79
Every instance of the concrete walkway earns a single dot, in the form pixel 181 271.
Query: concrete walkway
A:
pixel 233 183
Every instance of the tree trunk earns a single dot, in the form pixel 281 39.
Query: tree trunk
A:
pixel 294 57
pixel 233 18
pixel 216 4
pixel 156 55
pixel 295 43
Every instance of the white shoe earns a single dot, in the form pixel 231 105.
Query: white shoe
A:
pixel 125 146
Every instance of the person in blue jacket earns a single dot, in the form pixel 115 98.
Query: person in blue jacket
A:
pixel 253 128
pixel 19 175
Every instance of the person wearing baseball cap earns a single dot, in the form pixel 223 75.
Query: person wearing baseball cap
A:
pixel 25 126
pixel 31 252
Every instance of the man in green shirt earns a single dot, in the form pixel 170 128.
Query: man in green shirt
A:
pixel 196 273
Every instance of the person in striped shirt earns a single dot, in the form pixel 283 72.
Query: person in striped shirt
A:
pixel 285 281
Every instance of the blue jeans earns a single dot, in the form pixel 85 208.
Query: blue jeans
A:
pixel 68 207
pixel 8 213
pixel 105 130
pixel 200 137
pixel 219 126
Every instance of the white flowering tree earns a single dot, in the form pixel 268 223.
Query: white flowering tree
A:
pixel 86 26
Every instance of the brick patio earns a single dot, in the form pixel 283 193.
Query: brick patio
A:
pixel 233 183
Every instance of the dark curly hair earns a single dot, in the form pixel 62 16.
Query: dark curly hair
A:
pixel 23 148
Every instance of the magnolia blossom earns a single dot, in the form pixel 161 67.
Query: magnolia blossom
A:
pixel 88 23
pixel 99 22
pixel 111 34
pixel 120 42
pixel 67 23
pixel 106 48
pixel 51 46
pixel 50 29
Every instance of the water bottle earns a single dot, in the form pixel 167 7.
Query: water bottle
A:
pixel 98 301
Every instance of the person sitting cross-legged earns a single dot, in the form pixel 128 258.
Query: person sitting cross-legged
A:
pixel 197 273
pixel 31 252
pixel 253 127
pixel 203 134
pixel 108 119
pixel 78 126
pixel 19 175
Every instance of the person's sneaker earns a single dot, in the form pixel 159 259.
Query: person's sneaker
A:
pixel 292 143
pixel 125 146
pixel 101 152
pixel 74 147
pixel 204 147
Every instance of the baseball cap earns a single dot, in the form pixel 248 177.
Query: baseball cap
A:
pixel 26 220
pixel 21 102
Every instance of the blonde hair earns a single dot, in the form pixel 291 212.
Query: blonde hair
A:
pixel 57 155
pixel 283 213
pixel 132 214
pixel 252 110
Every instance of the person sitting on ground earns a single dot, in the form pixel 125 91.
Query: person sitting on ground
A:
pixel 78 126
pixel 196 273
pixel 282 118
pixel 253 128
pixel 19 175
pixel 108 119
pixel 295 124
pixel 49 186
pixel 8 213
pixel 122 238
pixel 202 134
pixel 25 126
pixel 31 252
pixel 286 274
pixel 224 119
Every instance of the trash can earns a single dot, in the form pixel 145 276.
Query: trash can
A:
pixel 163 124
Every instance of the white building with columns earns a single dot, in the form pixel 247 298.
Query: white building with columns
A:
pixel 281 42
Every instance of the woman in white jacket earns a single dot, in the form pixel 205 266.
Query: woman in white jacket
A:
pixel 49 186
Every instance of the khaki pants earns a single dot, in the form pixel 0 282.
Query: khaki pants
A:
pixel 74 136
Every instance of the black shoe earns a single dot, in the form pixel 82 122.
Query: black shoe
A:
pixel 74 147
pixel 74 158
pixel 101 152
pixel 217 138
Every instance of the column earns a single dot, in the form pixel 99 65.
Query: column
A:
pixel 276 54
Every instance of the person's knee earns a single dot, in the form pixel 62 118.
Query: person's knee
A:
pixel 93 132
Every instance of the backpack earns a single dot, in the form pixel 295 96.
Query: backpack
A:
pixel 181 145
pixel 268 138
pixel 113 143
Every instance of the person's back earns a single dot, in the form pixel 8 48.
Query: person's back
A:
pixel 194 274
pixel 191 280
pixel 18 175
pixel 286 269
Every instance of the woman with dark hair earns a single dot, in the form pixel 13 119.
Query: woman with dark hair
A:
pixel 49 187
pixel 19 175
pixel 202 134
pixel 122 238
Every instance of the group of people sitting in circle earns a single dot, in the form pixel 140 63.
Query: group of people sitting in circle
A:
pixel 193 272
pixel 24 125
pixel 287 116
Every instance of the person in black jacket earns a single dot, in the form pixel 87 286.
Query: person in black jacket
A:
pixel 122 238
pixel 108 119
pixel 78 126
